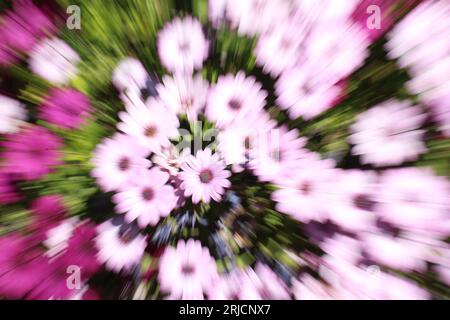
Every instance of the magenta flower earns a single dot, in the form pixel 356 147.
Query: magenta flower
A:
pixel 8 192
pixel 117 160
pixel 22 267
pixel 182 46
pixel 119 249
pixel 47 212
pixel 204 177
pixel 66 108
pixel 81 251
pixel 148 199
pixel 187 271
pixel 21 28
pixel 32 153
pixel 234 98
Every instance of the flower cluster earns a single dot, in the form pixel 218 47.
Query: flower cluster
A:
pixel 270 149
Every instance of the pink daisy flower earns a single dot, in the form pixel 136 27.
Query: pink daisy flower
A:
pixel 66 108
pixel 119 249
pixel 116 161
pixel 395 252
pixel 236 141
pixel 129 74
pixel 148 200
pixel 54 60
pixel 32 153
pixel 263 284
pixel 234 98
pixel 275 151
pixel 351 199
pixel 304 190
pixel 149 123
pixel 279 49
pixel 204 177
pixel 12 115
pixel 254 16
pixel 47 212
pixel 184 94
pixel 187 271
pixel 388 134
pixel 182 46
pixel 416 200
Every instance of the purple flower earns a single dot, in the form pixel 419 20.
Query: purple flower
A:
pixel 22 267
pixel 204 177
pixel 8 192
pixel 66 108
pixel 21 28
pixel 187 271
pixel 32 153
pixel 47 212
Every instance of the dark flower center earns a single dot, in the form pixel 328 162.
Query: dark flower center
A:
pixel 234 104
pixel 205 176
pixel 124 164
pixel 247 143
pixel 363 202
pixel 184 46
pixel 150 131
pixel 147 194
pixel 187 269
pixel 305 188
pixel 187 102
pixel 126 237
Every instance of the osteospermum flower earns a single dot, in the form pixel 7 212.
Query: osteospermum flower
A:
pixel 150 123
pixel 303 190
pixel 129 74
pixel 20 28
pixel 187 271
pixel 182 46
pixel 388 134
pixel 304 95
pixel 119 248
pixel 66 108
pixel 148 199
pixel 54 60
pixel 233 98
pixel 204 177
pixel 276 150
pixel 184 94
pixel 116 161
pixel 263 284
pixel 416 200
pixel 12 114
pixel 32 153
pixel 47 212
pixel 235 143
